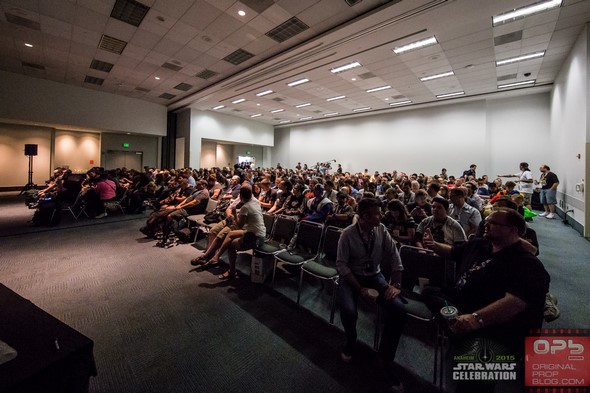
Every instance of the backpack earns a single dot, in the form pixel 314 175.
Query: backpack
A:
pixel 218 214
pixel 47 214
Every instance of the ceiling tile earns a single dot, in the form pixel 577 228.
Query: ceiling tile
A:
pixel 174 8
pixel 200 15
pixel 55 27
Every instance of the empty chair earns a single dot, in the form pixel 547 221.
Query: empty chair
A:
pixel 199 219
pixel 323 267
pixel 282 232
pixel 305 248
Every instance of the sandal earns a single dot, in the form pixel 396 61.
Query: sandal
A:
pixel 227 275
pixel 211 263
pixel 199 261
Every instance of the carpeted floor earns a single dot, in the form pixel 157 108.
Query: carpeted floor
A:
pixel 160 325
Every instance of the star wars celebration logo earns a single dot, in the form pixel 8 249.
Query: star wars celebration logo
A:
pixel 482 360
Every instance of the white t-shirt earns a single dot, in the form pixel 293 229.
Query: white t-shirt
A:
pixel 254 220
pixel 525 188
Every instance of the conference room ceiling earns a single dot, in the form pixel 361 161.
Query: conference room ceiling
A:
pixel 203 54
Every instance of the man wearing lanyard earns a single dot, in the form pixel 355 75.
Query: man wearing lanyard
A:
pixel 363 248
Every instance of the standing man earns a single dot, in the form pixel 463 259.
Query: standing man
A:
pixel 549 183
pixel 525 182
pixel 363 248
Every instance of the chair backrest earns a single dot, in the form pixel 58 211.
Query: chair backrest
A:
pixel 421 263
pixel 309 236
pixel 211 205
pixel 121 192
pixel 330 246
pixel 269 222
pixel 284 229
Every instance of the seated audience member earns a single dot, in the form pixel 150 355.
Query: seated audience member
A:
pixel 319 207
pixel 343 213
pixel 309 192
pixel 472 198
pixel 444 192
pixel 233 189
pixel 256 190
pixel 432 190
pixel 362 250
pixel 509 189
pixel 349 199
pixel 500 296
pixel 218 233
pixel 251 234
pixel 285 188
pixel 482 189
pixel 157 218
pixel 406 196
pixel 466 215
pixel 104 190
pixel 196 203
pixel 443 228
pixel 399 223
pixel 330 192
pixel 268 195
pixel 295 203
pixel 214 187
pixel 420 208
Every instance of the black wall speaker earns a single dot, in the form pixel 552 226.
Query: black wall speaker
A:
pixel 30 150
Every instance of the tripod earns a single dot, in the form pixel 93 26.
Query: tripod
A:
pixel 30 185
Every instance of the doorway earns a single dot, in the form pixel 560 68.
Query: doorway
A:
pixel 122 158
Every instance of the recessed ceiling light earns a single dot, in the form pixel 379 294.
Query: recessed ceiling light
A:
pixel 298 82
pixel 378 89
pixel 302 105
pixel 400 103
pixel 416 45
pixel 525 11
pixel 516 84
pixel 366 108
pixel 353 79
pixel 238 101
pixel 256 115
pixel 157 78
pixel 277 110
pixel 28 45
pixel 306 118
pixel 335 98
pixel 345 67
pixel 521 58
pixel 263 93
pixel 241 13
pixel 257 104
pixel 218 107
pixel 457 93
pixel 284 121
pixel 431 77
pixel 331 114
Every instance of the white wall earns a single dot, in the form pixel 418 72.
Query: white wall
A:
pixel 79 151
pixel 148 145
pixel 208 154
pixel 569 128
pixel 42 101
pixel 491 134
pixel 221 127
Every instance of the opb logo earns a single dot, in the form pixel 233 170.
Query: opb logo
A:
pixel 555 345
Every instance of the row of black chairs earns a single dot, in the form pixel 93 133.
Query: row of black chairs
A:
pixel 313 247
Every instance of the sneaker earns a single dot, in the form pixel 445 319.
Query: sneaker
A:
pixel 543 214
pixel 550 215
pixel 551 312
pixel 103 215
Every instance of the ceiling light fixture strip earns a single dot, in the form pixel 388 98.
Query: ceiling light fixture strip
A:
pixel 517 59
pixel 530 9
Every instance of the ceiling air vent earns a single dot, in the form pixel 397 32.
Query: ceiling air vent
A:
pixel 183 86
pixel 33 65
pixel 167 96
pixel 287 29
pixel 506 77
pixel 142 89
pixel 366 75
pixel 93 80
pixel 398 97
pixel 352 2
pixel 19 20
pixel 237 57
pixel 101 65
pixel 206 74
pixel 237 110
pixel 111 44
pixel 258 5
pixel 508 38
pixel 278 99
pixel 171 66
pixel 129 11
pixel 317 111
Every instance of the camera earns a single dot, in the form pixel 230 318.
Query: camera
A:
pixel 527 74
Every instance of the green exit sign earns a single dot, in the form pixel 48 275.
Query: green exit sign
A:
pixel 126 145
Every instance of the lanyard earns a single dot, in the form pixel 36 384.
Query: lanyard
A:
pixel 368 247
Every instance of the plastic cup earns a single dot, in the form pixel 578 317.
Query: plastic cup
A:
pixel 449 313
pixel 373 293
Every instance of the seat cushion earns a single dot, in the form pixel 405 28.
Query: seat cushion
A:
pixel 319 270
pixel 270 247
pixel 417 309
pixel 294 257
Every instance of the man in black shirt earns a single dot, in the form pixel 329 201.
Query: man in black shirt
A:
pixel 549 183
